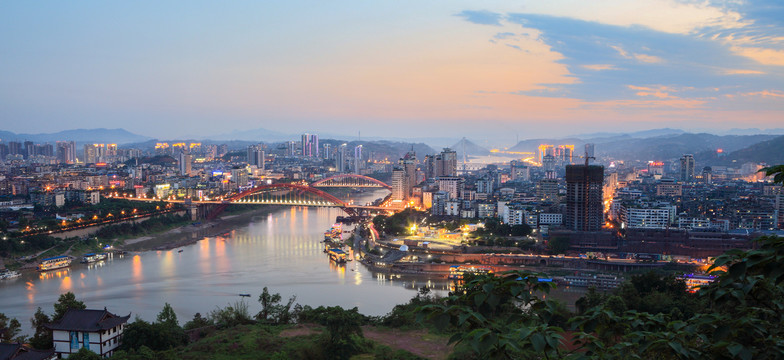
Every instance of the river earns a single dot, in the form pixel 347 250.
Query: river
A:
pixel 280 250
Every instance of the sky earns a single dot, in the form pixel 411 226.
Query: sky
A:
pixel 481 69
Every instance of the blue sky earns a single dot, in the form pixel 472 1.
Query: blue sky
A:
pixel 405 68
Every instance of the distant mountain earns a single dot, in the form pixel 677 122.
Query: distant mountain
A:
pixel 770 152
pixel 636 134
pixel 627 147
pixel 669 147
pixel 116 136
pixel 471 149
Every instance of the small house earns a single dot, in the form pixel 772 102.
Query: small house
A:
pixel 97 330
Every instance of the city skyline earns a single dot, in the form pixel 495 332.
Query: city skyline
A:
pixel 531 69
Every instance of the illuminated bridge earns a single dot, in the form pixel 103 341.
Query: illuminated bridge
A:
pixel 276 194
pixel 351 181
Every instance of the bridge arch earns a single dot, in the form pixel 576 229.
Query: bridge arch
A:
pixel 282 186
pixel 335 178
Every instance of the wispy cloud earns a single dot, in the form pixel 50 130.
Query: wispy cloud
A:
pixel 598 67
pixel 481 17
pixel 650 59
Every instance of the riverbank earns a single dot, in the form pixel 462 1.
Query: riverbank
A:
pixel 193 232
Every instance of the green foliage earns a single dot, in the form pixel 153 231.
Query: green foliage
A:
pixel 64 302
pixel 151 225
pixel 10 329
pixel 42 338
pixel 399 223
pixel 197 322
pixel 84 354
pixel 156 336
pixel 776 171
pixel 559 244
pixel 231 315
pixel 500 316
pixel 167 316
pixel 344 329
pixel 272 311
pixel 737 317
pixel 493 226
pixel 405 315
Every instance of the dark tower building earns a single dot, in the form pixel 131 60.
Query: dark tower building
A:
pixel 584 209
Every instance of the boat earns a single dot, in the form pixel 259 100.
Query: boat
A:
pixel 52 263
pixel 599 281
pixel 9 274
pixel 245 295
pixel 337 255
pixel 179 251
pixel 93 257
pixel 458 272
pixel 335 233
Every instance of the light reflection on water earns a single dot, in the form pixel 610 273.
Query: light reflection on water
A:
pixel 281 250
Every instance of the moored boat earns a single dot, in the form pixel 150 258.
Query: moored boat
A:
pixel 52 263
pixel 9 274
pixel 92 257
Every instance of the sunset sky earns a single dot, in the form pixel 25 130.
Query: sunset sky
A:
pixel 391 68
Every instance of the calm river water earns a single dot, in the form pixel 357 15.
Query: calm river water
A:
pixel 281 250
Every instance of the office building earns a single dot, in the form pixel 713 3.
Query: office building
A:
pixel 341 158
pixel 687 168
pixel 584 208
pixel 358 163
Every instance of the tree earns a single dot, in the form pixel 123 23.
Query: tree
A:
pixel 10 329
pixel 741 317
pixel 271 309
pixel 197 322
pixel 65 302
pixel 776 171
pixel 42 338
pixel 167 316
pixel 343 327
pixel 84 354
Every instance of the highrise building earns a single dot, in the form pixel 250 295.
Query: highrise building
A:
pixel 29 149
pixel 327 152
pixel 66 152
pixel 358 164
pixel 399 184
pixel 443 164
pixel 448 162
pixel 589 149
pixel 185 164
pixel 409 165
pixel 547 190
pixel 341 158
pixel 310 145
pixel 687 168
pixel 256 156
pixel 584 208
pixel 548 162
pixel 14 148
pixel 707 175
pixel 91 153
pixel 452 185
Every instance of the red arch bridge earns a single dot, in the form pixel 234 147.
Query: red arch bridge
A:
pixel 275 194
